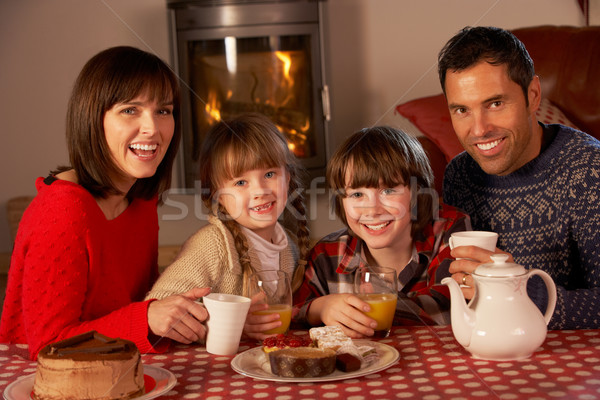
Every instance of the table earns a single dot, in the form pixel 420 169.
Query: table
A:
pixel 432 365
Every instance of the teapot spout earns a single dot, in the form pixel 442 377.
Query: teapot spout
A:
pixel 461 316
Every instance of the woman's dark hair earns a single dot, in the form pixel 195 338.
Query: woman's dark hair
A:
pixel 384 155
pixel 117 75
pixel 493 45
pixel 252 141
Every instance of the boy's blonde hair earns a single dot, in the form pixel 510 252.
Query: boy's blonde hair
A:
pixel 383 155
pixel 247 142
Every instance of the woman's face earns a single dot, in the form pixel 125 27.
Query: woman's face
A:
pixel 138 133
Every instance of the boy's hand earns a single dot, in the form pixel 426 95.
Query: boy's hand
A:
pixel 345 310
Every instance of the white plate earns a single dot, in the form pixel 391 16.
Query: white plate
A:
pixel 165 380
pixel 254 364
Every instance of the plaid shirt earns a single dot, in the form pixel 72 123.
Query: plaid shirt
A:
pixel 422 299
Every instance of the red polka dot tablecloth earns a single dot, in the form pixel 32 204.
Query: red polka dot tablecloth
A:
pixel 432 365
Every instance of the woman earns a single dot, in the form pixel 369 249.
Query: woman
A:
pixel 86 250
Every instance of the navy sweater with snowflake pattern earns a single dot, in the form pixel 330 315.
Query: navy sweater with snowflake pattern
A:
pixel 547 215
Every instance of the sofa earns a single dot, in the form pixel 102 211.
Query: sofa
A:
pixel 567 60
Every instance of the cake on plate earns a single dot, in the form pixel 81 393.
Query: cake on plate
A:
pixel 89 366
pixel 282 341
pixel 350 357
pixel 302 362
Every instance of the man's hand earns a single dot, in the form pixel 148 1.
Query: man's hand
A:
pixel 470 258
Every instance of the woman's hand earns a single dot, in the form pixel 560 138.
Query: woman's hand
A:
pixel 345 310
pixel 179 317
pixel 470 258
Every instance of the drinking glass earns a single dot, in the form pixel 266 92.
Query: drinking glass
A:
pixel 378 286
pixel 274 289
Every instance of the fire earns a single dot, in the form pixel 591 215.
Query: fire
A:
pixel 280 105
pixel 213 107
pixel 287 66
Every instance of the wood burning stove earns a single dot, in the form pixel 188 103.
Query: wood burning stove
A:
pixel 237 56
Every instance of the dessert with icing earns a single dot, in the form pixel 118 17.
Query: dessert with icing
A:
pixel 89 366
pixel 350 357
pixel 326 349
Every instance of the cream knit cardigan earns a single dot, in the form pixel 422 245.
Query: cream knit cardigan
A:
pixel 209 259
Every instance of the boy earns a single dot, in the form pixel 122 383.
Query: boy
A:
pixel 384 194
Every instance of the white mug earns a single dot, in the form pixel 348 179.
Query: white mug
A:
pixel 226 317
pixel 483 239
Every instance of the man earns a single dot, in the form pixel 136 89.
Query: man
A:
pixel 536 185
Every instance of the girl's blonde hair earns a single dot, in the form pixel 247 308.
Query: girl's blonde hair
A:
pixel 244 143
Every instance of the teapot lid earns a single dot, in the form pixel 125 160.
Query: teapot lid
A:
pixel 499 267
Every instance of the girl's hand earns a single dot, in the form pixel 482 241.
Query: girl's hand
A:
pixel 257 324
pixel 179 317
pixel 470 258
pixel 345 310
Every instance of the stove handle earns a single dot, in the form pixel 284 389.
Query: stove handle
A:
pixel 325 103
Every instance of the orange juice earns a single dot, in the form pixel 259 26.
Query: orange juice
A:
pixel 285 316
pixel 383 308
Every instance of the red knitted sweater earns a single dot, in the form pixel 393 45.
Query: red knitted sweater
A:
pixel 72 270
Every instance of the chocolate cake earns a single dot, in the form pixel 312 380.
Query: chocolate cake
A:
pixel 89 366
pixel 302 362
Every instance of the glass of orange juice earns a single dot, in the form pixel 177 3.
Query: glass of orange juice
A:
pixel 273 288
pixel 378 286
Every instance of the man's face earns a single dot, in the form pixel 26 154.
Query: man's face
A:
pixel 491 117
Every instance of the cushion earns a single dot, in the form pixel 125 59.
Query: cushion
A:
pixel 431 116
pixel 549 113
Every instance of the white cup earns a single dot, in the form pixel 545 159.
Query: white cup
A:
pixel 483 239
pixel 225 323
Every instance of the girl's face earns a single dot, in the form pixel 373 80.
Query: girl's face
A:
pixel 138 133
pixel 256 198
pixel 379 216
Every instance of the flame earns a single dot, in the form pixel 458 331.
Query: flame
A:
pixel 280 105
pixel 287 66
pixel 213 107
pixel 286 59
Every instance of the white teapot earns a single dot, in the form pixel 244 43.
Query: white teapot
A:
pixel 501 322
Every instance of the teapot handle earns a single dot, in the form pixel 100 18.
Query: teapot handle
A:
pixel 551 287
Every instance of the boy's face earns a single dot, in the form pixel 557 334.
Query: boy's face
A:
pixel 379 216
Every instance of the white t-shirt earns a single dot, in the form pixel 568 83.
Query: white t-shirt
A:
pixel 268 252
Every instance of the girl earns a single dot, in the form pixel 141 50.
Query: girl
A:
pixel 384 195
pixel 247 176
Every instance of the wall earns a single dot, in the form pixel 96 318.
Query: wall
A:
pixel 43 46
pixel 384 52
pixel 380 53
